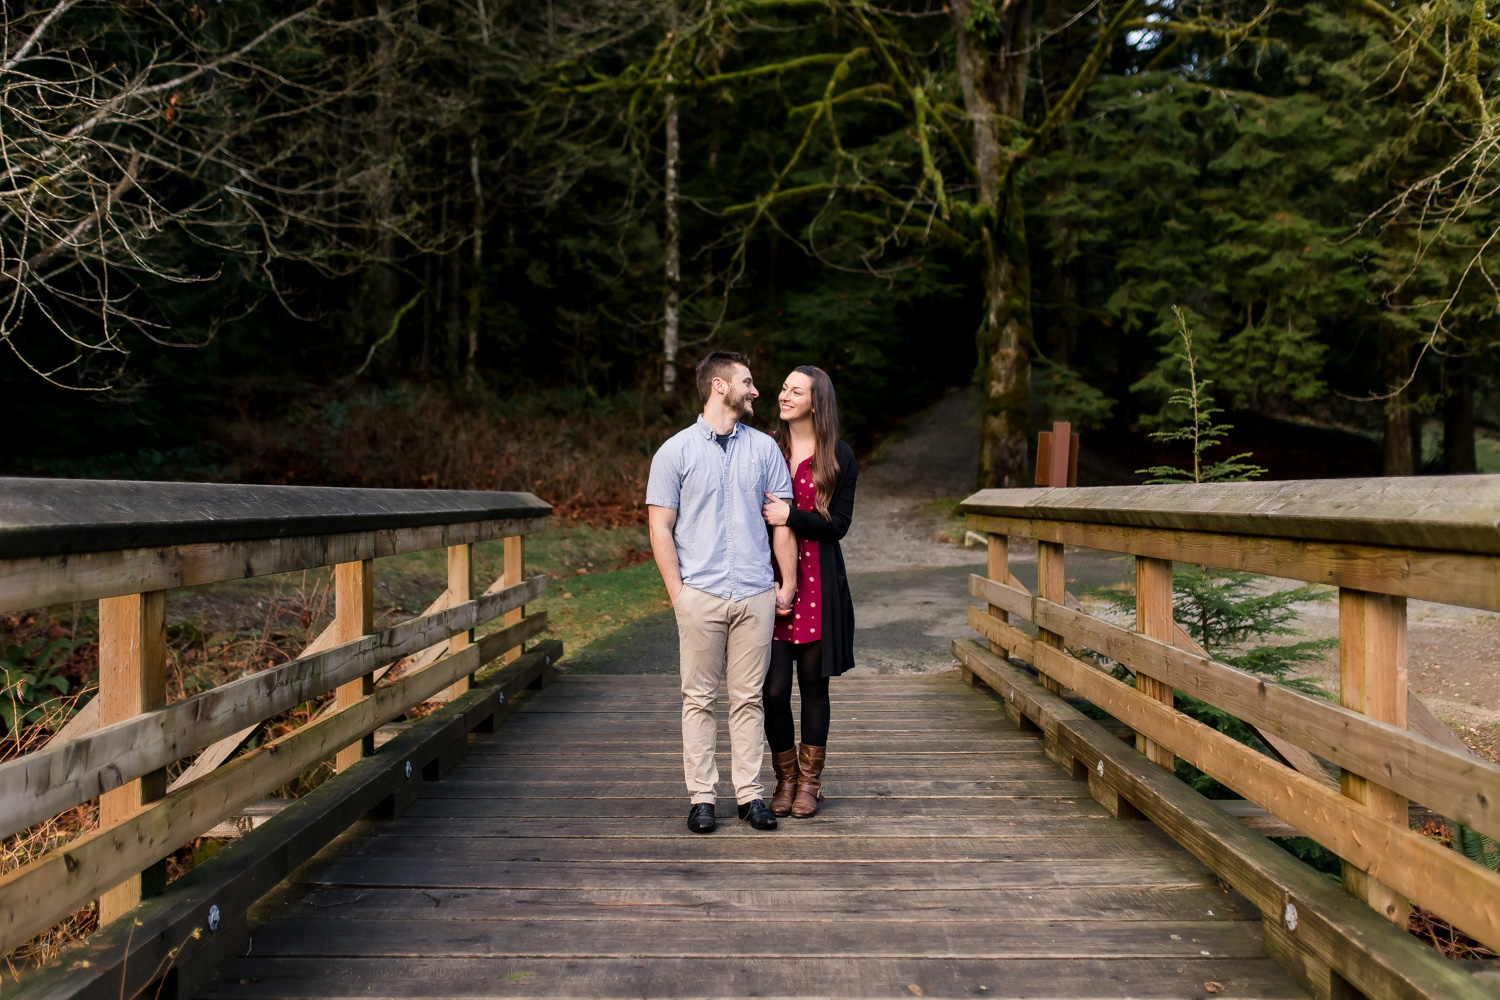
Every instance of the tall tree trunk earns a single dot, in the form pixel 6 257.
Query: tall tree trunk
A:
pixel 1458 417
pixel 425 366
pixel 1063 334
pixel 1005 338
pixel 478 238
pixel 669 336
pixel 454 320
pixel 993 79
pixel 1397 458
pixel 387 279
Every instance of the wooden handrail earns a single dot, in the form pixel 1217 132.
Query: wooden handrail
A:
pixel 126 544
pixel 44 559
pixel 60 776
pixel 1380 541
pixel 43 892
pixel 43 517
pixel 1441 513
pixel 1452 783
pixel 1327 939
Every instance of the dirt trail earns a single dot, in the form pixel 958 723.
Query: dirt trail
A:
pixel 1453 663
pixel 910 588
pixel 932 456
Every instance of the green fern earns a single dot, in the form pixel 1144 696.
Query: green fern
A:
pixel 1477 847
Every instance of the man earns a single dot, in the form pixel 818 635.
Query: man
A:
pixel 710 542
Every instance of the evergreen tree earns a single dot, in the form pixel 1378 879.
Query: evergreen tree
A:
pixel 1230 614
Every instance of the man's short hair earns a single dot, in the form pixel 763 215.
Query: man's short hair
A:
pixel 719 364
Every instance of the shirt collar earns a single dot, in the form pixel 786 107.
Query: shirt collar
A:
pixel 709 433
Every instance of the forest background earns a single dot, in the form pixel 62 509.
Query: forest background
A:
pixel 479 244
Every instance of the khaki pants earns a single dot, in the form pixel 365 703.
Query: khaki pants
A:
pixel 729 640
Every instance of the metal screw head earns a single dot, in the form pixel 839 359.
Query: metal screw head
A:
pixel 1100 768
pixel 213 916
pixel 408 769
pixel 547 660
pixel 502 697
pixel 1289 916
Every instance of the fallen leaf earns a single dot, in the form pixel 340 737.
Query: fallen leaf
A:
pixel 1214 987
pixel 916 990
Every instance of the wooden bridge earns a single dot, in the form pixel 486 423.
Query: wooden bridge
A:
pixel 989 833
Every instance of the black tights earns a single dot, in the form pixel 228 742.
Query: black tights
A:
pixel 778 695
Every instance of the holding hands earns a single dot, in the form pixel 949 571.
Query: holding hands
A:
pixel 775 512
pixel 786 596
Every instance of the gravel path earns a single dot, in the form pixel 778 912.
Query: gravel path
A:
pixel 911 591
pixel 931 457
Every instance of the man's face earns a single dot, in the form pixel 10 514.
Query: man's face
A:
pixel 740 392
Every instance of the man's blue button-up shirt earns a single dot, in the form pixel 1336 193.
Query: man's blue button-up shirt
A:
pixel 723 547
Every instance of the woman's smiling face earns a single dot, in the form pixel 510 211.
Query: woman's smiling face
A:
pixel 795 397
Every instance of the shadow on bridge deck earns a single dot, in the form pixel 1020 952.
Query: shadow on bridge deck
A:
pixel 952 859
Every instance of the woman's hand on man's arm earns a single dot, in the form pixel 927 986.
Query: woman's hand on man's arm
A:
pixel 775 510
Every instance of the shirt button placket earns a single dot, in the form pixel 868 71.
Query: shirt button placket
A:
pixel 728 536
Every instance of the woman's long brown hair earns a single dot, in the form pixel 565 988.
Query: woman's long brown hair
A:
pixel 825 418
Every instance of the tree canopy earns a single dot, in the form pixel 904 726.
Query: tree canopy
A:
pixel 221 212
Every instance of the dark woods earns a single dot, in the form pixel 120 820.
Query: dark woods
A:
pixel 417 243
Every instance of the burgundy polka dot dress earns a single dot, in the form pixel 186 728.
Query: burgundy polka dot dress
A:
pixel 806 621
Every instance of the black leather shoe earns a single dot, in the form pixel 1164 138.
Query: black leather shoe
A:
pixel 757 815
pixel 701 818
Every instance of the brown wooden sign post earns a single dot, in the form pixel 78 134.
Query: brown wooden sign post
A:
pixel 1057 456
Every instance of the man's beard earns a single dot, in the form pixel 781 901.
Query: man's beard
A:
pixel 738 405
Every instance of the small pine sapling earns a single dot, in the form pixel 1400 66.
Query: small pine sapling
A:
pixel 1224 611
pixel 1199 429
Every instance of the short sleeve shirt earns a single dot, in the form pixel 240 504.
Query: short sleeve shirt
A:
pixel 723 547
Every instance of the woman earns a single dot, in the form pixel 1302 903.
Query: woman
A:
pixel 819 633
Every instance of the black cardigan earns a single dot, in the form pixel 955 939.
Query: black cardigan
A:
pixel 838 606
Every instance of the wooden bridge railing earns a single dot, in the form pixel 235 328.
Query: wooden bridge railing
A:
pixel 125 545
pixel 1381 543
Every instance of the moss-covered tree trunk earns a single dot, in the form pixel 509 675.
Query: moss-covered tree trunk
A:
pixel 1004 344
pixel 992 74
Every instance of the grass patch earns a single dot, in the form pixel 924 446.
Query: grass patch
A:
pixel 947 523
pixel 589 608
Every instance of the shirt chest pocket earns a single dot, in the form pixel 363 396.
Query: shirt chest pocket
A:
pixel 698 482
pixel 749 479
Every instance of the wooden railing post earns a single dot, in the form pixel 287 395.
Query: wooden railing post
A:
pixel 132 680
pixel 515 572
pixel 998 569
pixel 354 616
pixel 1153 617
pixel 1051 585
pixel 460 589
pixel 1372 680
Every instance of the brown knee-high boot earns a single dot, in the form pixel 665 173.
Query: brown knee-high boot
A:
pixel 784 765
pixel 809 780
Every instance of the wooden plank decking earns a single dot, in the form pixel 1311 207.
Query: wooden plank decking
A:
pixel 952 859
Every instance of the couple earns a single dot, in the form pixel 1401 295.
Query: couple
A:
pixel 722 500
